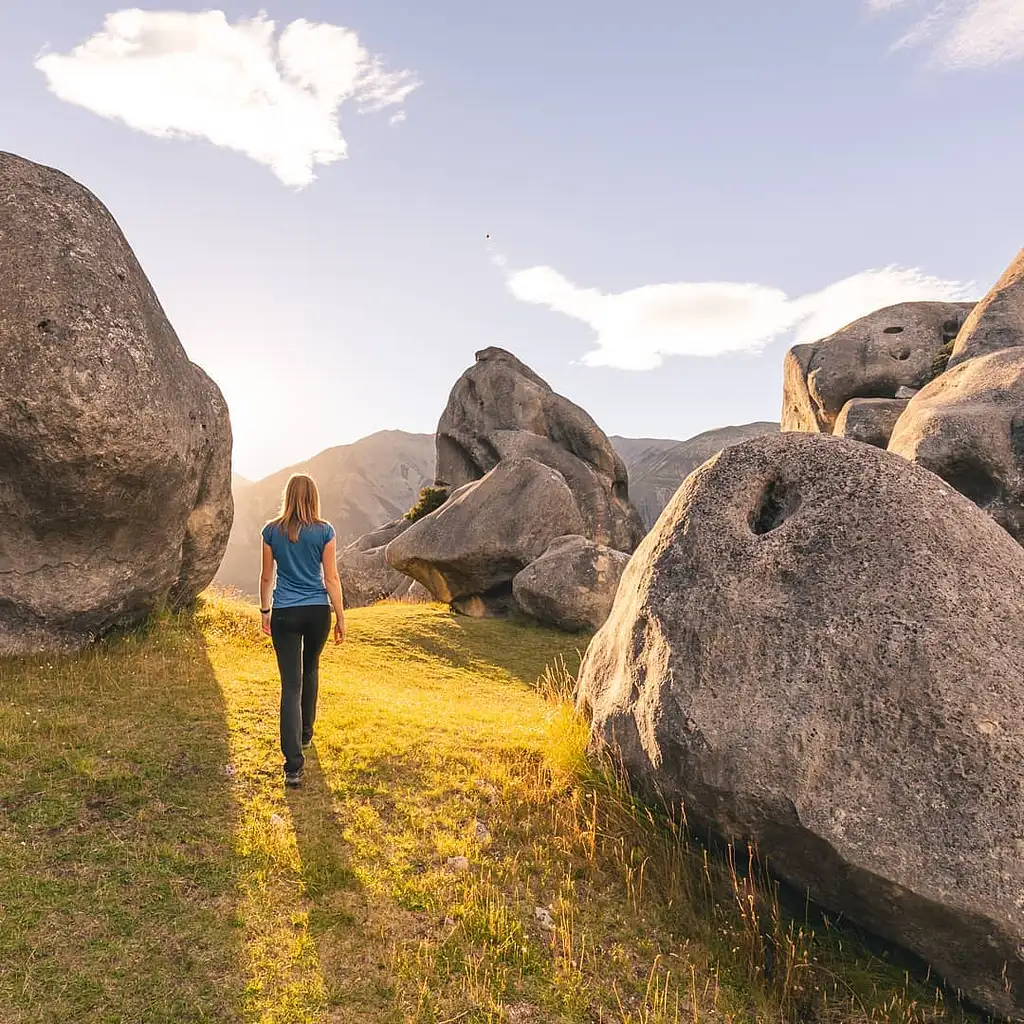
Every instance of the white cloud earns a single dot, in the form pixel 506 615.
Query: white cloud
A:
pixel 965 33
pixel 637 329
pixel 242 86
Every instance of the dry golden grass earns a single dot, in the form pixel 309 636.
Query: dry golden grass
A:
pixel 153 869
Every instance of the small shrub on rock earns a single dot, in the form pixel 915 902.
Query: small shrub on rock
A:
pixel 431 499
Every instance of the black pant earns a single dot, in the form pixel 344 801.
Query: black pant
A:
pixel 299 636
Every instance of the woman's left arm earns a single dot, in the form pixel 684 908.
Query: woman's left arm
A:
pixel 266 583
pixel 332 580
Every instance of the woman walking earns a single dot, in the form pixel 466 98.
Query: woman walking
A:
pixel 303 546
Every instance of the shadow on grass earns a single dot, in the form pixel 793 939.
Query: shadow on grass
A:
pixel 523 649
pixel 350 946
pixel 117 864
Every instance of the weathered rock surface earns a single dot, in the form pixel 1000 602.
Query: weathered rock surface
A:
pixel 468 551
pixel 572 585
pixel 968 427
pixel 899 346
pixel 870 420
pixel 115 449
pixel 657 467
pixel 365 574
pixel 500 409
pixel 821 647
pixel 997 322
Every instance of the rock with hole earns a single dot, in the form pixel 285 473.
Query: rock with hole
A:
pixel 869 420
pixel 500 409
pixel 115 486
pixel 468 552
pixel 968 427
pixel 572 585
pixel 820 648
pixel 900 346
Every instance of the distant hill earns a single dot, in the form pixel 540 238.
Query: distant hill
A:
pixel 362 485
pixel 657 467
pixel 378 478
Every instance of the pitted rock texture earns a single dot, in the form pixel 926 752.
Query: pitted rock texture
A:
pixel 115 449
pixel 820 647
pixel 896 347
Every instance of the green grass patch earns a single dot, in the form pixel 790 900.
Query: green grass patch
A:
pixel 454 856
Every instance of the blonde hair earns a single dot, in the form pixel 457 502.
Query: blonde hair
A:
pixel 300 506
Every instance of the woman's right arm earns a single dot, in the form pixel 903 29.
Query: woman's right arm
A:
pixel 332 580
pixel 266 585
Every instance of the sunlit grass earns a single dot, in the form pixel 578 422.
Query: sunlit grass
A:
pixel 453 856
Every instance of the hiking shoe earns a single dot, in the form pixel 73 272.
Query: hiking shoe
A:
pixel 293 779
pixel 307 740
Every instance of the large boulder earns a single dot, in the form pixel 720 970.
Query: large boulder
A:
pixel 997 322
pixel 900 346
pixel 468 551
pixel 820 647
pixel 500 409
pixel 572 585
pixel 968 427
pixel 115 494
pixel 870 420
pixel 366 577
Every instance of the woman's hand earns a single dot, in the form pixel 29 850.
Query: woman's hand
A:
pixel 339 630
pixel 265 617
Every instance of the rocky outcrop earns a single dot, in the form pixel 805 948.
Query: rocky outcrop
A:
pixel 968 427
pixel 116 488
pixel 870 420
pixel 468 551
pixel 997 322
pixel 366 577
pixel 900 346
pixel 820 647
pixel 657 468
pixel 572 585
pixel 500 409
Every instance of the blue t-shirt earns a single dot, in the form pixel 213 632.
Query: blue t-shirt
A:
pixel 300 571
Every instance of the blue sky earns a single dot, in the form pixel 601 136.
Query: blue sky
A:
pixel 771 150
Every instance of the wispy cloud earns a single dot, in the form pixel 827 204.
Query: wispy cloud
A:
pixel 275 97
pixel 963 33
pixel 637 329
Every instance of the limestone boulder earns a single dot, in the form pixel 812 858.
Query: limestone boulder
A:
pixel 900 346
pixel 500 409
pixel 115 490
pixel 820 647
pixel 572 585
pixel 997 322
pixel 968 427
pixel 869 420
pixel 468 551
pixel 366 577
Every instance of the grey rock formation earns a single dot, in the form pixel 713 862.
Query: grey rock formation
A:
pixel 899 346
pixel 365 574
pixel 468 551
pixel 657 467
pixel 820 647
pixel 500 409
pixel 869 420
pixel 375 480
pixel 968 427
pixel 997 322
pixel 572 585
pixel 115 493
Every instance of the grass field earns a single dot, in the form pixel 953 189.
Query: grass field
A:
pixel 153 869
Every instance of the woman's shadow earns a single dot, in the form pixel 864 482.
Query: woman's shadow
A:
pixel 343 921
